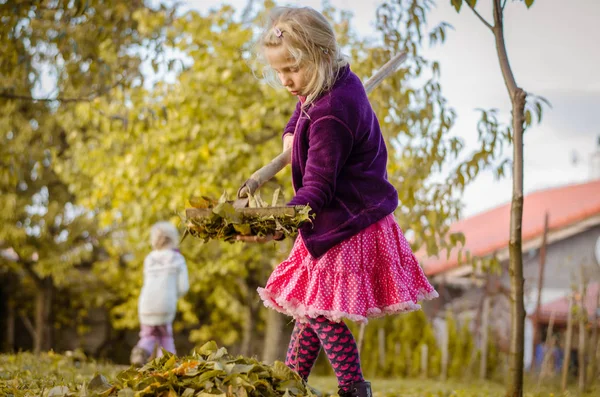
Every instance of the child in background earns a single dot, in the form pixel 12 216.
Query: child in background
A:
pixel 165 281
pixel 353 261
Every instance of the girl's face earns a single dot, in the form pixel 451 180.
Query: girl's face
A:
pixel 293 77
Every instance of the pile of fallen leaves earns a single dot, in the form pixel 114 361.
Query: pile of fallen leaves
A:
pixel 208 219
pixel 209 371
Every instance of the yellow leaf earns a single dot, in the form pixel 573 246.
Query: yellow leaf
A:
pixel 197 202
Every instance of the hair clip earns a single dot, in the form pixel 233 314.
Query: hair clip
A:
pixel 278 32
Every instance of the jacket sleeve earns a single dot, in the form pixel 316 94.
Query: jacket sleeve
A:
pixel 330 143
pixel 183 284
pixel 291 125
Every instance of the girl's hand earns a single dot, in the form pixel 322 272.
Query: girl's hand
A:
pixel 288 141
pixel 256 239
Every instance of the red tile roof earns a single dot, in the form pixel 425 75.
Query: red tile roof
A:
pixel 488 232
pixel 560 306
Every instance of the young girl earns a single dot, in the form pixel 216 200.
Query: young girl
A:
pixel 353 261
pixel 165 281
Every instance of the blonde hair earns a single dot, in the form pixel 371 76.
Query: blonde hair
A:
pixel 164 235
pixel 311 42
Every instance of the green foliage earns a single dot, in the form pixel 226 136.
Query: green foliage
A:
pixel 84 50
pixel 417 123
pixel 460 349
pixel 404 336
pixel 464 354
pixel 202 135
pixel 457 4
pixel 26 374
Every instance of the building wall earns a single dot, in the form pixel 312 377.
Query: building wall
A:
pixel 563 259
pixel 561 270
pixel 561 273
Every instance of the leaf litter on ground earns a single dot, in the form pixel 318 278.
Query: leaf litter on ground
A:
pixel 207 372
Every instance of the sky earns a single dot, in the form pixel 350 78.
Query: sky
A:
pixel 553 52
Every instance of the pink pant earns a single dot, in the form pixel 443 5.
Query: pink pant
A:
pixel 161 335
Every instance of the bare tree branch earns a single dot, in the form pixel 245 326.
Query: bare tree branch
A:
pixel 503 5
pixel 482 19
pixel 86 98
pixel 504 291
pixel 247 12
pixel 28 325
pixel 28 266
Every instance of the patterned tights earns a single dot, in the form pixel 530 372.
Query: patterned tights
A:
pixel 338 343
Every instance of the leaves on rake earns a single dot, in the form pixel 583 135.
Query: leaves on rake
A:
pixel 220 220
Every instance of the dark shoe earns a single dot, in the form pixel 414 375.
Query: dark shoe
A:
pixel 358 389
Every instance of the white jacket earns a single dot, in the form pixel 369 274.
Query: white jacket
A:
pixel 165 281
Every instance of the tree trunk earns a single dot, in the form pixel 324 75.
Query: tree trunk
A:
pixel 361 337
pixel 568 339
pixel 381 345
pixel 40 321
pixel 548 350
pixel 43 308
pixel 537 337
pixel 444 348
pixel 484 338
pixel 248 331
pixel 594 342
pixel 101 350
pixel 424 360
pixel 272 336
pixel 476 331
pixel 515 385
pixel 581 348
pixel 517 97
pixel 10 327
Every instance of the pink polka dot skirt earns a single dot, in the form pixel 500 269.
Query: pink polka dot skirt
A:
pixel 371 274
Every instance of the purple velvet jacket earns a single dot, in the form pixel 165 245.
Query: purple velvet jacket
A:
pixel 339 163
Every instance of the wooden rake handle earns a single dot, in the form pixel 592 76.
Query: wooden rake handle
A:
pixel 267 172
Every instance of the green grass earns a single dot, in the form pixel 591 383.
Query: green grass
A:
pixel 450 388
pixel 24 374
